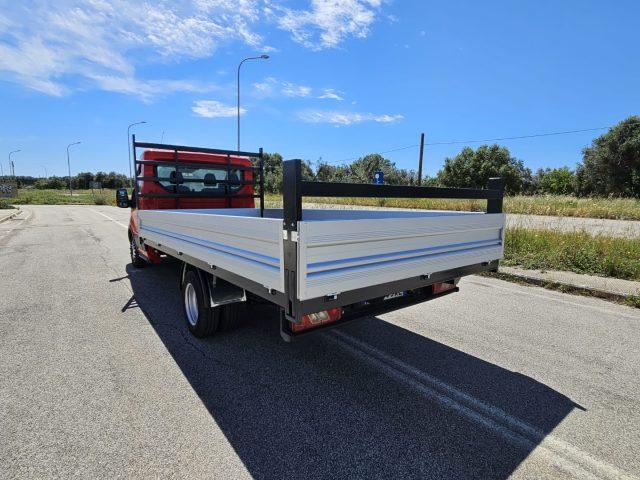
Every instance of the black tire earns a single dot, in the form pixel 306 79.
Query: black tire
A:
pixel 136 259
pixel 229 317
pixel 202 320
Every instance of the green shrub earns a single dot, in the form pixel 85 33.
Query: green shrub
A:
pixel 577 252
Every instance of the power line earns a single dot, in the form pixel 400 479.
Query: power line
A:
pixel 460 142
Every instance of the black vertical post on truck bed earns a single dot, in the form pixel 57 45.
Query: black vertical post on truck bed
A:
pixel 291 215
pixel 261 165
pixel 176 167
pixel 494 205
pixel 135 170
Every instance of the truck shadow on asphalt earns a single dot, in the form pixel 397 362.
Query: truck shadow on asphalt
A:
pixel 319 409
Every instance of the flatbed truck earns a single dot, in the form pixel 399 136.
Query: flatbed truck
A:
pixel 320 267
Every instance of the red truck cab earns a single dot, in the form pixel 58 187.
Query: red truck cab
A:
pixel 175 179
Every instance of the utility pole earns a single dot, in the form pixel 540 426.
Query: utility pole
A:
pixel 420 160
pixel 69 166
pixel 12 166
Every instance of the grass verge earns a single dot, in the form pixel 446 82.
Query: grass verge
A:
pixel 4 204
pixel 565 206
pixel 577 252
pixel 62 197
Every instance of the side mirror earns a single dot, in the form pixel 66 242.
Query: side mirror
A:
pixel 122 198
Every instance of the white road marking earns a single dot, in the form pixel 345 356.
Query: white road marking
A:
pixel 549 296
pixel 113 220
pixel 517 432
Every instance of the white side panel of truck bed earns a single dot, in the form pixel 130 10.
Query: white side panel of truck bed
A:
pixel 337 256
pixel 248 246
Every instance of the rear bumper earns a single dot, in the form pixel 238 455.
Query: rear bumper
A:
pixel 358 312
pixel 364 310
pixel 366 302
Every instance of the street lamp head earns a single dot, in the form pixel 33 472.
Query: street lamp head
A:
pixel 264 55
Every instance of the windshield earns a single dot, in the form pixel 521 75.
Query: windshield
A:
pixel 191 175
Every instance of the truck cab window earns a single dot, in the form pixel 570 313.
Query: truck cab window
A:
pixel 203 180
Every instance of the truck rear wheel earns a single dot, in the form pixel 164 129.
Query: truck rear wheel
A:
pixel 202 320
pixel 136 259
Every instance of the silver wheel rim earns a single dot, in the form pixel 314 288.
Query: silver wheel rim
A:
pixel 191 304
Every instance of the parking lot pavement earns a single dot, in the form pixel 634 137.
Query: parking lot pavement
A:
pixel 99 377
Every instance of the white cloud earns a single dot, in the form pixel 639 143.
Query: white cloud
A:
pixel 57 47
pixel 329 22
pixel 266 87
pixel 215 109
pixel 51 46
pixel 147 90
pixel 292 90
pixel 345 118
pixel 330 93
pixel 271 87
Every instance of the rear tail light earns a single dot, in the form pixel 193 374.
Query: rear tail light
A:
pixel 443 287
pixel 313 320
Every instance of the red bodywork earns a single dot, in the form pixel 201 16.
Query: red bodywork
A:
pixel 206 159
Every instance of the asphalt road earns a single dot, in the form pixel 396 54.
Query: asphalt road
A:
pixel 99 377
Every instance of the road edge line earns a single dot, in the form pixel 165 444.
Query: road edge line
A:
pixel 112 219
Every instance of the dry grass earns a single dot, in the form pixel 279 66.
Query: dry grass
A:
pixel 612 208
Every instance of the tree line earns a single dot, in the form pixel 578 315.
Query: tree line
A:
pixel 80 181
pixel 610 167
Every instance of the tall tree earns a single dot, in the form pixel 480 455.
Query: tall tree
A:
pixel 363 169
pixel 611 165
pixel 556 181
pixel 273 171
pixel 474 168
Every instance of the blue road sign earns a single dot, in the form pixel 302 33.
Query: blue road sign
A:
pixel 378 177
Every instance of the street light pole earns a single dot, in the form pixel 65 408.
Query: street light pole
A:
pixel 260 57
pixel 129 147
pixel 69 165
pixel 11 165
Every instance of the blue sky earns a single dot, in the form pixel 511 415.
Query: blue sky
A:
pixel 345 78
